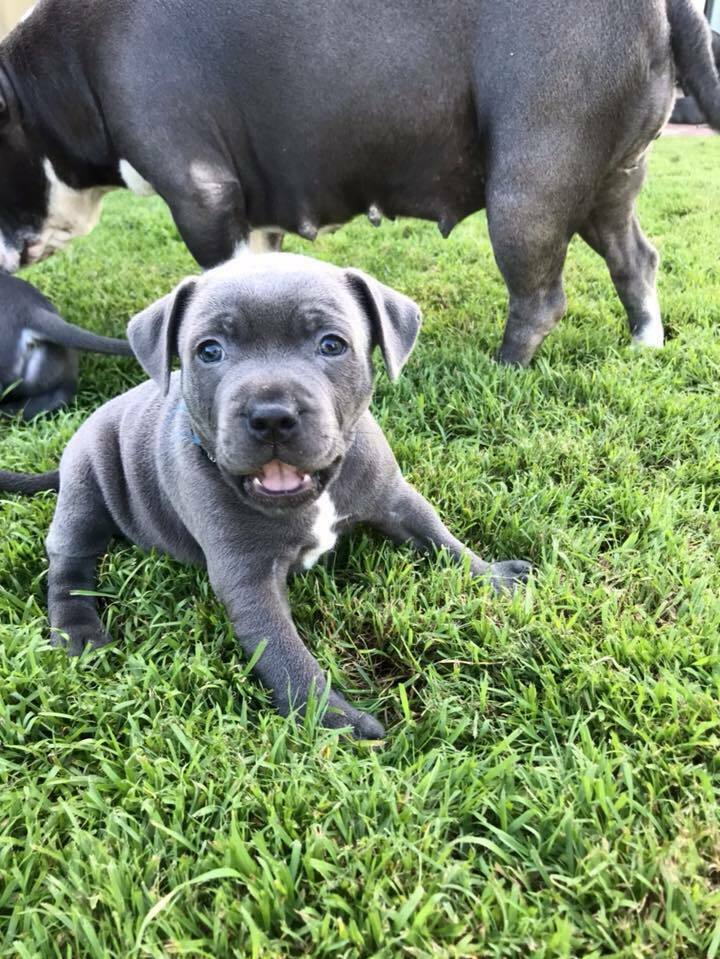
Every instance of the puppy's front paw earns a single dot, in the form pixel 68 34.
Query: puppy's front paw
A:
pixel 341 713
pixel 365 726
pixel 509 575
pixel 75 638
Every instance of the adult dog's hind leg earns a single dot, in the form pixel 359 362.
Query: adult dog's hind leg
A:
pixel 613 231
pixel 529 235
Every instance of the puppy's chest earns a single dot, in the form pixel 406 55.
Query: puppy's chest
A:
pixel 323 535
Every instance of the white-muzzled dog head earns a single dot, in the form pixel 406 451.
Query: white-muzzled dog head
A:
pixel 39 213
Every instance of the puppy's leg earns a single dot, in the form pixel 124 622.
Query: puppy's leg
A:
pixel 258 607
pixel 613 231
pixel 80 533
pixel 74 620
pixel 409 518
pixel 46 402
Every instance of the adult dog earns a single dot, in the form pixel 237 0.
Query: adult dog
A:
pixel 251 460
pixel 280 116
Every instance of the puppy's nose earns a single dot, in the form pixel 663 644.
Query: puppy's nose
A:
pixel 272 422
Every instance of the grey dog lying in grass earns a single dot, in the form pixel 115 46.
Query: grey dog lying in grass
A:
pixel 38 363
pixel 250 460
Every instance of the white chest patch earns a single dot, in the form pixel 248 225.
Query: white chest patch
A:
pixel 323 531
pixel 133 181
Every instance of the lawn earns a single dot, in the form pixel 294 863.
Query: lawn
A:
pixel 550 781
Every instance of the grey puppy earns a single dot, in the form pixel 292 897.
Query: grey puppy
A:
pixel 38 363
pixel 250 460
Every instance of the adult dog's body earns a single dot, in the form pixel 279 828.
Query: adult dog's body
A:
pixel 38 362
pixel 251 460
pixel 275 115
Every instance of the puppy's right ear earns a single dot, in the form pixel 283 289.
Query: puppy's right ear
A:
pixel 153 334
pixel 394 319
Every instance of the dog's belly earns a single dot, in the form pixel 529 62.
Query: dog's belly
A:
pixel 433 172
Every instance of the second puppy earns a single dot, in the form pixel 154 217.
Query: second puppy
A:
pixel 252 459
pixel 38 362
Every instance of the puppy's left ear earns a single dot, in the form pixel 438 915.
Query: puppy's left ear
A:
pixel 153 334
pixel 394 319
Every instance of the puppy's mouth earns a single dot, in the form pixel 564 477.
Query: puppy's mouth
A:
pixel 278 484
pixel 280 479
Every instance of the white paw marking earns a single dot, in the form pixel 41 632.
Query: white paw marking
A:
pixel 133 181
pixel 323 531
pixel 652 334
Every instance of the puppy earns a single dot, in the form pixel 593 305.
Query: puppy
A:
pixel 38 365
pixel 251 460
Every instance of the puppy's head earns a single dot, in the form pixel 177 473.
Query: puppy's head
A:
pixel 275 356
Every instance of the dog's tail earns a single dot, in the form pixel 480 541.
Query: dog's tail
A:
pixel 692 47
pixel 56 330
pixel 28 484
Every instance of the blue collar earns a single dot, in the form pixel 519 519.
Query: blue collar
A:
pixel 195 440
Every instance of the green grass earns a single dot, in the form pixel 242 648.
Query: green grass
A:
pixel 549 786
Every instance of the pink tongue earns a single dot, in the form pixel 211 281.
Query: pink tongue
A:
pixel 277 477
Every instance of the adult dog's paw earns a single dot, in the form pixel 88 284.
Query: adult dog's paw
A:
pixel 509 575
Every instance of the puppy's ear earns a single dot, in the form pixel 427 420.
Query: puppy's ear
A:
pixel 153 334
pixel 394 319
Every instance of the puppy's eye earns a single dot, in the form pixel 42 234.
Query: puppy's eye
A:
pixel 332 346
pixel 210 351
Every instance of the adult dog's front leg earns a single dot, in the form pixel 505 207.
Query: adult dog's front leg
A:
pixel 208 206
pixel 409 518
pixel 258 608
